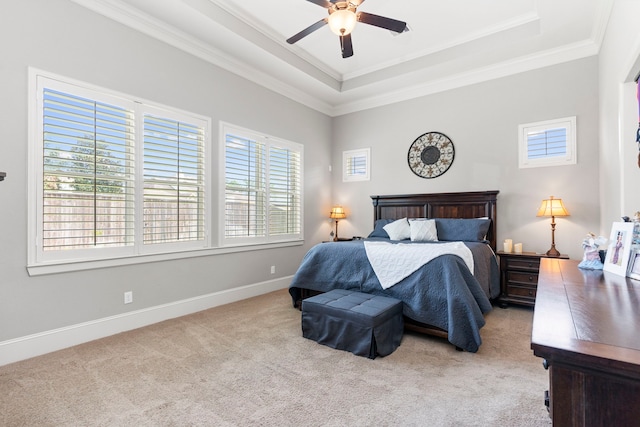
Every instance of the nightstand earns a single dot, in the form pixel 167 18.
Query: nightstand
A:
pixel 519 277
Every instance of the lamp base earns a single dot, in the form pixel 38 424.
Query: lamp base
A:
pixel 553 252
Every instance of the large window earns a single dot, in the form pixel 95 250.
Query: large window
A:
pixel 262 188
pixel 112 176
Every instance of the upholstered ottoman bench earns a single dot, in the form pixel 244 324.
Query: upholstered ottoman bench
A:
pixel 366 325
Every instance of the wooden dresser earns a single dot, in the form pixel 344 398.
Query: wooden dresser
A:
pixel 586 327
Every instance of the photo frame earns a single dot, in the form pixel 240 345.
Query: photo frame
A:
pixel 619 248
pixel 633 269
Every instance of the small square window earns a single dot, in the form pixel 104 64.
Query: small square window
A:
pixel 356 165
pixel 548 143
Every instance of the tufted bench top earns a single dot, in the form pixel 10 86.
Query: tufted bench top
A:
pixel 366 309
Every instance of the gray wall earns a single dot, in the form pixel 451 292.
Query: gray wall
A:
pixel 619 65
pixel 61 37
pixel 482 120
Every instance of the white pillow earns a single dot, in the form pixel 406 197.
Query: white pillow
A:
pixel 398 230
pixel 423 230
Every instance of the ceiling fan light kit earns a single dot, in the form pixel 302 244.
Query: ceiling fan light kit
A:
pixel 342 20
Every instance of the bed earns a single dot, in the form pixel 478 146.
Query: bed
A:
pixel 449 295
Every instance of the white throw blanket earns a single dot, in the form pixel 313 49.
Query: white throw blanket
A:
pixel 392 262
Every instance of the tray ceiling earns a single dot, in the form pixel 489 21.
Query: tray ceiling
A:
pixel 449 44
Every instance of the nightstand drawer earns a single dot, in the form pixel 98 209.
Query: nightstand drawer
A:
pixel 527 264
pixel 527 292
pixel 522 277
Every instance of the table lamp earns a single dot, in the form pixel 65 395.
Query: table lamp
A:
pixel 337 213
pixel 553 208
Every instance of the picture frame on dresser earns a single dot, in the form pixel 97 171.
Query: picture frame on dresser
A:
pixel 633 269
pixel 619 248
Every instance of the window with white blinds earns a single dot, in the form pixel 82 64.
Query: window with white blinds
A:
pixel 262 188
pixel 88 165
pixel 284 191
pixel 356 165
pixel 113 176
pixel 548 143
pixel 245 196
pixel 173 180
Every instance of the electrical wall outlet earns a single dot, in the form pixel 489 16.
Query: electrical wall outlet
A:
pixel 273 269
pixel 128 297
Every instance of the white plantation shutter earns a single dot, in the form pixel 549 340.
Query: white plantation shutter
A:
pixel 87 173
pixel 284 191
pixel 245 187
pixel 173 181
pixel 262 188
pixel 356 165
pixel 547 143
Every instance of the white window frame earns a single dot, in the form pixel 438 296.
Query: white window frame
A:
pixel 348 157
pixel 268 140
pixel 44 262
pixel 570 156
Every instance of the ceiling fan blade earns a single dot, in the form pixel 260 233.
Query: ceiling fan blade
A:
pixel 310 29
pixel 346 46
pixel 381 21
pixel 324 3
pixel 356 3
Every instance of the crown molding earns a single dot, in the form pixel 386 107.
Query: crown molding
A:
pixel 127 15
pixel 133 18
pixel 603 13
pixel 522 64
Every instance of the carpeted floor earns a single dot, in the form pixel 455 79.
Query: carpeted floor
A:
pixel 246 364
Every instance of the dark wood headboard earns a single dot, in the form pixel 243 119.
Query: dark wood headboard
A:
pixel 473 204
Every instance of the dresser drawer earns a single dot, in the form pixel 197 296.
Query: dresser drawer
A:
pixel 526 264
pixel 522 291
pixel 522 277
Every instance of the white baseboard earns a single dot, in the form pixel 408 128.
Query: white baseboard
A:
pixel 29 346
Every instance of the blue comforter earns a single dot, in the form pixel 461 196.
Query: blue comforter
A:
pixel 442 293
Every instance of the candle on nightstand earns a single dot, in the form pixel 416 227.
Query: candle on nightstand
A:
pixel 508 244
pixel 517 248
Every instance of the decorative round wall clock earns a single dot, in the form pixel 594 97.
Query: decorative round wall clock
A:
pixel 431 155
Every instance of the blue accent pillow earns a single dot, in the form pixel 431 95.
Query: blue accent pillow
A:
pixel 378 230
pixel 466 230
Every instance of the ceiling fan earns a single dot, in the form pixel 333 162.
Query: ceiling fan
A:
pixel 342 19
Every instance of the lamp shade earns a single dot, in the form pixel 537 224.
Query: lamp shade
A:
pixel 552 207
pixel 342 22
pixel 337 212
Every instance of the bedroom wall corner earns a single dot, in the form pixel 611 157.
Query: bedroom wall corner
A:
pixel 619 64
